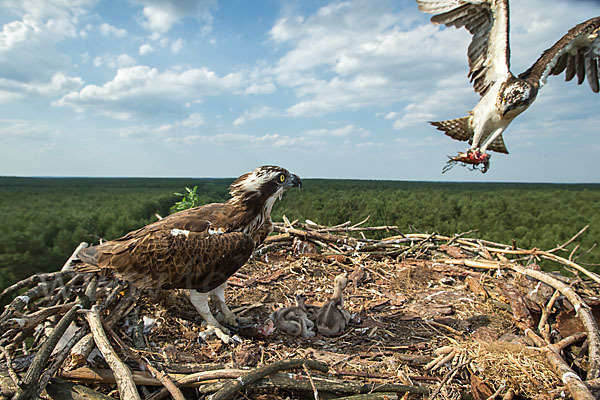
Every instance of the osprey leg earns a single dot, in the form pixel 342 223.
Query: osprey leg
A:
pixel 200 302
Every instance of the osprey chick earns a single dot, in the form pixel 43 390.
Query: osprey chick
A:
pixel 199 248
pixel 503 95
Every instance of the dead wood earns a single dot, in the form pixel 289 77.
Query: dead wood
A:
pixel 230 388
pixel 127 387
pixel 30 387
pixel 411 294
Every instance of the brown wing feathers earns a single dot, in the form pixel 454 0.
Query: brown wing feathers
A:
pixel 577 54
pixel 156 257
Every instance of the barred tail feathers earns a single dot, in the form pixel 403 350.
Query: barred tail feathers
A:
pixel 458 128
pixel 88 260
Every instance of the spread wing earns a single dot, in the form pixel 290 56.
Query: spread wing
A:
pixel 180 251
pixel 487 21
pixel 576 53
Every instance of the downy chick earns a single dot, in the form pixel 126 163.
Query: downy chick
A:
pixel 332 318
pixel 294 319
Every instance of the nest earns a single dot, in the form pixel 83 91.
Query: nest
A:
pixel 432 316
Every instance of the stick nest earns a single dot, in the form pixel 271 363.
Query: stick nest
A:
pixel 433 316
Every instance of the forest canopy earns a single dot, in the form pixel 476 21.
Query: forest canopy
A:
pixel 42 220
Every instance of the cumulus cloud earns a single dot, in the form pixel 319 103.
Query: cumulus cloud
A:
pixel 114 61
pixel 107 30
pixel 344 131
pixel 58 84
pixel 159 16
pixel 253 114
pixel 355 54
pixel 193 120
pixel 144 91
pixel 19 129
pixel 176 46
pixel 30 39
pixel 146 49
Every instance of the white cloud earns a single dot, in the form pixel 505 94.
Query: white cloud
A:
pixel 19 129
pixel 144 91
pixel 56 86
pixel 176 46
pixel 246 140
pixel 30 39
pixel 344 131
pixel 258 88
pixel 253 114
pixel 356 54
pixel 146 49
pixel 114 61
pixel 107 30
pixel 193 120
pixel 159 16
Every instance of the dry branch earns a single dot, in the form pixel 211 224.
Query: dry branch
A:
pixel 125 383
pixel 230 388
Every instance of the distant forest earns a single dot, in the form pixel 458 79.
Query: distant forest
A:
pixel 42 220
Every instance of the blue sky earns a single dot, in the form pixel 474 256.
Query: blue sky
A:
pixel 209 88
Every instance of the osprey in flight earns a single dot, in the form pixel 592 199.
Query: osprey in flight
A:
pixel 199 248
pixel 503 95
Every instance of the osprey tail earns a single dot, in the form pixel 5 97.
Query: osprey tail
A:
pixel 458 128
pixel 88 260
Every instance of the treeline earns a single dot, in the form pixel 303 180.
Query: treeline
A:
pixel 43 219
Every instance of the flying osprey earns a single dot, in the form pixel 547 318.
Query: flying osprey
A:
pixel 199 248
pixel 503 95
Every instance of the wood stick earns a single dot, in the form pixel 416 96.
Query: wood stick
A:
pixel 568 242
pixel 125 383
pixel 35 279
pixel 545 314
pixel 581 308
pixel 350 241
pixel 67 266
pixel 164 379
pixel 29 388
pixel 35 318
pixel 573 382
pixel 230 388
pixel 296 382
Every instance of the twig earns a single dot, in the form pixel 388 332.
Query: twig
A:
pixel 230 388
pixel 29 388
pixel 125 383
pixel 545 314
pixel 568 242
pixel 573 382
pixel 447 378
pixel 163 378
pixel 35 279
pixel 11 371
pixel 312 383
pixel 581 308
pixel 67 266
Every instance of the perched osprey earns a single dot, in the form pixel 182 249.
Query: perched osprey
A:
pixel 503 95
pixel 199 248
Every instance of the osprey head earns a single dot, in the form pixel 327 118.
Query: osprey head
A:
pixel 263 185
pixel 516 96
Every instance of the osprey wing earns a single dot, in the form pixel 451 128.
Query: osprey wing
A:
pixel 487 21
pixel 172 259
pixel 576 53
pixel 191 249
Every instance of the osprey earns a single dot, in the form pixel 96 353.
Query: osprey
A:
pixel 503 95
pixel 199 248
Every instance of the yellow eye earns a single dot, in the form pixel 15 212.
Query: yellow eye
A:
pixel 281 178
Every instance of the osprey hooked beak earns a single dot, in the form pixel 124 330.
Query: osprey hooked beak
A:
pixel 294 181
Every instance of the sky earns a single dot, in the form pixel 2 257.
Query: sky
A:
pixel 326 89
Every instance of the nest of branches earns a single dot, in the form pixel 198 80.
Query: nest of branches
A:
pixel 432 317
